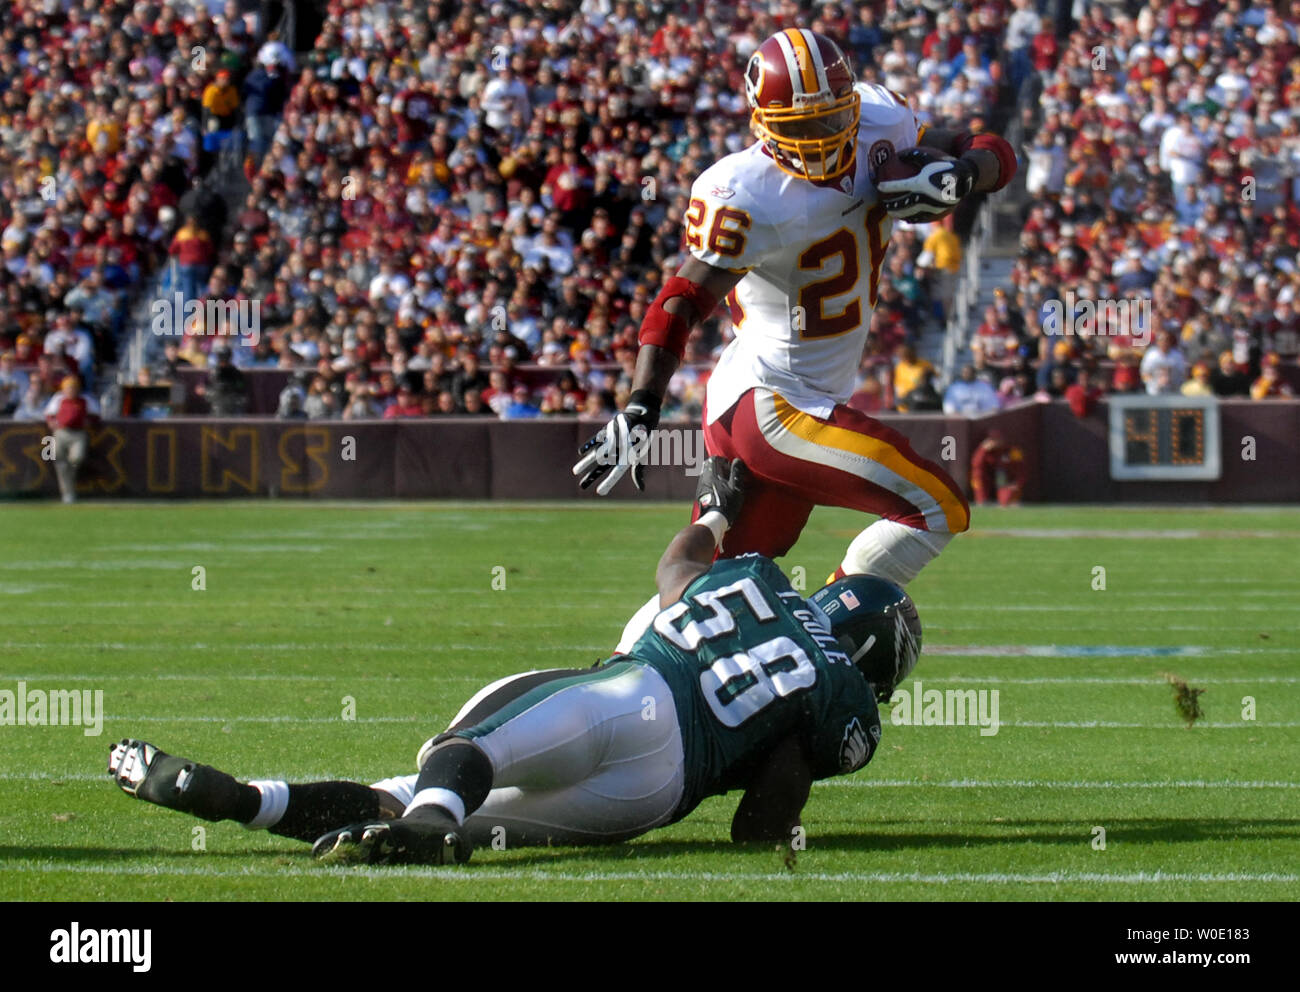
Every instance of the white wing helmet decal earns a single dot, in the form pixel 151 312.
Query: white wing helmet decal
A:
pixel 905 647
pixel 854 751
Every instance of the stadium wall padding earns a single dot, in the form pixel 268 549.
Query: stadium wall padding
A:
pixel 1075 465
pixel 1066 458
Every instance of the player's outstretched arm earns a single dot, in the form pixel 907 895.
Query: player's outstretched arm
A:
pixel 769 810
pixel 622 444
pixel 718 497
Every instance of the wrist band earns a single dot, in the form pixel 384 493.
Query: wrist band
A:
pixel 716 523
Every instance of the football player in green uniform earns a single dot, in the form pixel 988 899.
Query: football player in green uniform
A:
pixel 739 683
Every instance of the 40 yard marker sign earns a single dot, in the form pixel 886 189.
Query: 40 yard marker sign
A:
pixel 1164 437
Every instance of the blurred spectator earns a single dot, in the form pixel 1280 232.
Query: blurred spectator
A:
pixel 321 403
pixel 227 387
pixel 941 252
pixel 71 343
pixel 1199 382
pixel 69 415
pixel 361 407
pixel 1083 394
pixel 406 404
pixel 1055 386
pixel 221 101
pixel 194 253
pixel 1270 384
pixel 291 403
pixel 1164 367
pixel 32 406
pixel 474 404
pixel 13 384
pixel 468 376
pixel 266 90
pixel 1227 379
pixel 1022 25
pixel 1126 378
pixel 521 406
pixel 909 371
pixel 924 398
pixel 969 395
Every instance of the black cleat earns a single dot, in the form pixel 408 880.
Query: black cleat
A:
pixel 426 836
pixel 143 771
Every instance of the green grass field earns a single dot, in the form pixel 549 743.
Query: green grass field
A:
pixel 393 605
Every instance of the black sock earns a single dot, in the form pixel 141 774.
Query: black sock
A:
pixel 319 807
pixel 211 794
pixel 460 767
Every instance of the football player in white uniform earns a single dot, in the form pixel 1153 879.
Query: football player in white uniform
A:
pixel 792 233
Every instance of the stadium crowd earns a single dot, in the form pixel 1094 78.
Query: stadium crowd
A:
pixel 445 198
pixel 1163 171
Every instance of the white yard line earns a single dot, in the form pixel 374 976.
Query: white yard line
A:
pixel 841 782
pixel 1112 725
pixel 1101 607
pixel 1137 533
pixel 482 873
pixel 862 782
pixel 264 719
pixel 1102 680
pixel 261 677
pixel 486 678
pixel 1040 724
pixel 1093 650
pixel 295 646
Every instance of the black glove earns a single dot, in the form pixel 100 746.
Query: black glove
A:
pixel 621 444
pixel 941 183
pixel 721 487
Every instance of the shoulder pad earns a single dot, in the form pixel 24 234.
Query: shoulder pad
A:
pixel 740 180
pixel 882 106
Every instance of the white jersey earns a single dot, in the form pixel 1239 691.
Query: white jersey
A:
pixel 811 253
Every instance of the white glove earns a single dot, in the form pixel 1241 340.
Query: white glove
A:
pixel 621 444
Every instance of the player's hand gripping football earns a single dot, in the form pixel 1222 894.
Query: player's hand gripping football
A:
pixel 938 184
pixel 721 487
pixel 622 444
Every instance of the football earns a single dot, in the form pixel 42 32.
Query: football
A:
pixel 899 165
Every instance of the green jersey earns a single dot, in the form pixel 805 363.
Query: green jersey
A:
pixel 749 664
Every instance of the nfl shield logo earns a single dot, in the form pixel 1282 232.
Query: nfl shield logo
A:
pixel 849 600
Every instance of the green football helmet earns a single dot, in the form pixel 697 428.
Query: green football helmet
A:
pixel 876 623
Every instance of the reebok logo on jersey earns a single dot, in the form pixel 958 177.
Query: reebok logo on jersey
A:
pixel 722 192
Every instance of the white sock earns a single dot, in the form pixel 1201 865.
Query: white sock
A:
pixel 443 798
pixel 638 625
pixel 893 551
pixel 275 800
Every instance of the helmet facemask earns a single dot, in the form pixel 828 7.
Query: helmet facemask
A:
pixel 814 143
